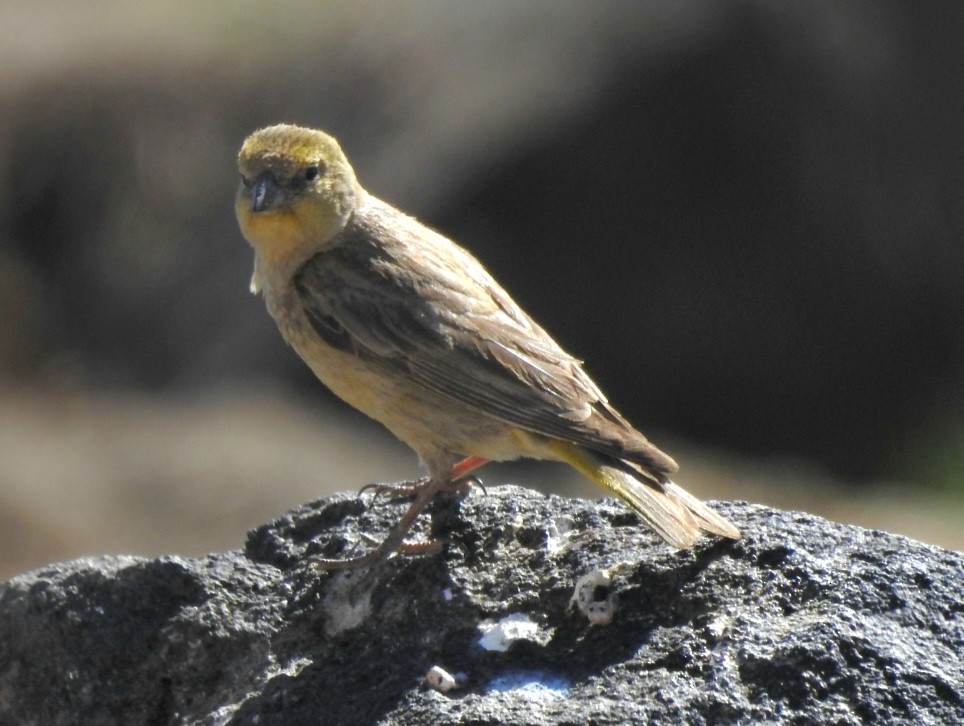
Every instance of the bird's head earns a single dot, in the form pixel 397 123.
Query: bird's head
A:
pixel 297 190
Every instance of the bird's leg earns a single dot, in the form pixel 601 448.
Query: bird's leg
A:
pixel 424 490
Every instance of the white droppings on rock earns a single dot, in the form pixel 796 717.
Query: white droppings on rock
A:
pixel 557 533
pixel 345 607
pixel 500 635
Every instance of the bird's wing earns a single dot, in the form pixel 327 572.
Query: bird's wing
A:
pixel 427 308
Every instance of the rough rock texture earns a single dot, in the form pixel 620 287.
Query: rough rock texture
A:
pixel 803 621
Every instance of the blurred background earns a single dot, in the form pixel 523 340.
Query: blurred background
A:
pixel 746 216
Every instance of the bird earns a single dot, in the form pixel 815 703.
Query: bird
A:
pixel 409 328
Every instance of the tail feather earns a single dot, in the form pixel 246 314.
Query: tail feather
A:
pixel 707 517
pixel 672 512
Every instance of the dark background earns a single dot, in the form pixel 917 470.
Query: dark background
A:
pixel 746 217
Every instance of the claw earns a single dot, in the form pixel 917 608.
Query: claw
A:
pixel 474 481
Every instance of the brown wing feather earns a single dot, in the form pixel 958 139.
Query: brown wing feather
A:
pixel 398 294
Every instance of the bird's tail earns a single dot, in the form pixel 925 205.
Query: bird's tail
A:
pixel 673 513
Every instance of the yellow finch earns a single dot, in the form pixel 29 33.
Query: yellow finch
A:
pixel 410 329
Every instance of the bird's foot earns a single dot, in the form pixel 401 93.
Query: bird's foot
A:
pixel 459 481
pixel 397 490
pixel 395 541
pixel 380 553
pixel 413 549
pixel 409 489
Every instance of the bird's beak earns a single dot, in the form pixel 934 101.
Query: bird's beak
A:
pixel 265 192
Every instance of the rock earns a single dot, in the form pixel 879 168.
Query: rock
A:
pixel 803 621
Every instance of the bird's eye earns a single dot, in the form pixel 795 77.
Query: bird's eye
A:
pixel 312 172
